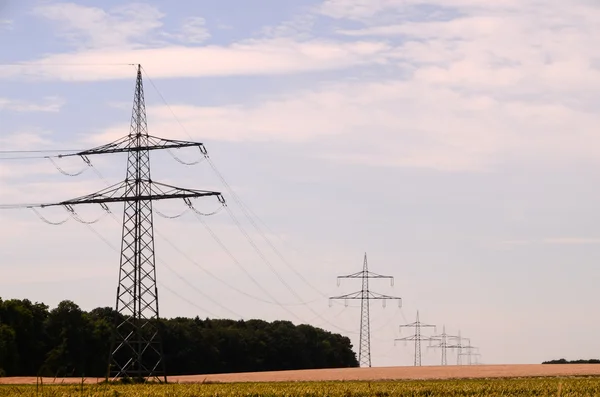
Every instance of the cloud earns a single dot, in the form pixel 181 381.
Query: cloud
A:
pixel 51 104
pixel 391 123
pixel 90 27
pixel 468 85
pixel 194 30
pixel 300 27
pixel 367 10
pixel 23 140
pixel 6 24
pixel 107 40
pixel 258 57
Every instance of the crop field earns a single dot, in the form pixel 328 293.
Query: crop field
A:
pixel 473 387
pixel 485 380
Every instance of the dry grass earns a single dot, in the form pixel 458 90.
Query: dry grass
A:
pixel 366 374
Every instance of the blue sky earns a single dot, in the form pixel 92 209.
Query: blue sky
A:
pixel 453 140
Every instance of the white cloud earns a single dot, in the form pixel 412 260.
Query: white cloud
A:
pixel 24 140
pixel 366 10
pixel 469 91
pixel 107 40
pixel 51 104
pixel 91 27
pixel 259 57
pixel 393 123
pixel 299 27
pixel 194 30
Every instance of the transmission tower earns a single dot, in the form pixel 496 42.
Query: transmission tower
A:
pixel 443 344
pixel 459 346
pixel 470 352
pixel 136 347
pixel 365 296
pixel 416 337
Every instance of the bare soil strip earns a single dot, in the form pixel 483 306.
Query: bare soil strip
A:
pixel 364 374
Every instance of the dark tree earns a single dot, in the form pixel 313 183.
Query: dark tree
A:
pixel 68 341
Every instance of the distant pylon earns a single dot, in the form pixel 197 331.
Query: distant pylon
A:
pixel 416 337
pixel 459 346
pixel 470 352
pixel 365 296
pixel 443 339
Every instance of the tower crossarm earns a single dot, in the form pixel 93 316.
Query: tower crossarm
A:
pixel 376 296
pixel 353 295
pixel 365 274
pixel 369 295
pixel 469 350
pixel 413 337
pixel 366 296
pixel 120 192
pixel 128 144
pixel 416 324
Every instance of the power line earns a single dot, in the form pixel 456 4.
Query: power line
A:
pixel 111 246
pixel 63 64
pixel 24 158
pixel 253 244
pixel 195 263
pixel 245 208
pixel 40 151
pixel 238 200
pixel 239 265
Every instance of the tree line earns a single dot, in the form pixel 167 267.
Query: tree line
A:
pixel 563 361
pixel 68 341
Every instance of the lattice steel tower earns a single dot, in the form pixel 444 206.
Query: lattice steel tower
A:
pixel 365 296
pixel 443 339
pixel 471 351
pixel 136 347
pixel 416 337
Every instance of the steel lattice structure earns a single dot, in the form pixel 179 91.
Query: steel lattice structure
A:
pixel 365 296
pixel 470 352
pixel 416 337
pixel 443 344
pixel 459 347
pixel 136 347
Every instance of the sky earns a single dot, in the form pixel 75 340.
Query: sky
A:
pixel 453 141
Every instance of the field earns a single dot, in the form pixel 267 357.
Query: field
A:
pixel 503 380
pixel 467 387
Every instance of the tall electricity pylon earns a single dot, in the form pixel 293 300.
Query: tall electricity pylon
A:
pixel 365 296
pixel 136 347
pixel 416 337
pixel 443 344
